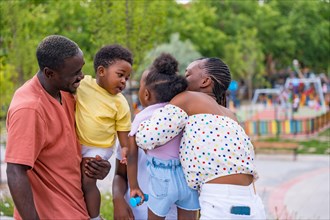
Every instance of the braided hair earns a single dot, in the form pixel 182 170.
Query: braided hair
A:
pixel 220 75
pixel 163 78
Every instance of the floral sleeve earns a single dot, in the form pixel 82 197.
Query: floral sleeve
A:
pixel 165 124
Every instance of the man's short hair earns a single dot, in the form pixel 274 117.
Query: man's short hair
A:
pixel 53 50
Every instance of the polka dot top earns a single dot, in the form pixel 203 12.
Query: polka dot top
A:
pixel 211 146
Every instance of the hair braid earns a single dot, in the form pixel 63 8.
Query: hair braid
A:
pixel 220 74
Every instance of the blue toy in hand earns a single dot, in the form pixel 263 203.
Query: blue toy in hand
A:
pixel 134 201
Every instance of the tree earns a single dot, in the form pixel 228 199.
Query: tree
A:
pixel 197 22
pixel 183 51
pixel 245 59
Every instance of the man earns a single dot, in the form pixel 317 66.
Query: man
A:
pixel 43 153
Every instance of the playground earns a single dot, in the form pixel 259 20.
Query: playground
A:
pixel 297 108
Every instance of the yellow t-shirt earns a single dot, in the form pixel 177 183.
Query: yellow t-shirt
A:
pixel 99 114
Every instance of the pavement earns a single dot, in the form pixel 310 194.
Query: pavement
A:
pixel 289 189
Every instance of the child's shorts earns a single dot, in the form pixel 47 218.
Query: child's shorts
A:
pixel 105 153
pixel 224 201
pixel 167 186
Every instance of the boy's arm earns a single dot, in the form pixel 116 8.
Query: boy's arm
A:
pixel 97 168
pixel 20 189
pixel 119 188
pixel 123 140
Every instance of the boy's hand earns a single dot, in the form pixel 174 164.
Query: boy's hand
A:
pixel 97 168
pixel 124 152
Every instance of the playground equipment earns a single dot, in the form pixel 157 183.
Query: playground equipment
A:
pixel 297 108
pixel 309 81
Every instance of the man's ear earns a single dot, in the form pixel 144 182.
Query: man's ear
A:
pixel 100 70
pixel 206 82
pixel 49 73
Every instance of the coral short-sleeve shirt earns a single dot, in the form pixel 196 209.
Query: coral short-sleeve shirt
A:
pixel 41 134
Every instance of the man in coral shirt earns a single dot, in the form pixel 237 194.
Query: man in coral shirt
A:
pixel 43 153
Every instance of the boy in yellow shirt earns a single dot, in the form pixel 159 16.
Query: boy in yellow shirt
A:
pixel 102 114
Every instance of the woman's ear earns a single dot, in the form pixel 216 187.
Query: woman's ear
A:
pixel 100 70
pixel 206 82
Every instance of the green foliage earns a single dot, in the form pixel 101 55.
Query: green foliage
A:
pixel 197 22
pixel 106 206
pixel 245 58
pixel 7 76
pixel 6 206
pixel 138 25
pixel 275 32
pixel 183 51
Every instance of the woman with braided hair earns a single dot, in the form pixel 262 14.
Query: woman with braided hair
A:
pixel 216 155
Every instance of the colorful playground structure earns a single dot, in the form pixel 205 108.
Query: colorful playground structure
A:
pixel 298 108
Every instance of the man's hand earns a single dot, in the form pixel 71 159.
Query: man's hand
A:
pixel 97 168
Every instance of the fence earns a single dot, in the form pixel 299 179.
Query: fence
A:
pixel 306 126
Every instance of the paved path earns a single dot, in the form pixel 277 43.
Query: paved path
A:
pixel 289 189
pixel 294 189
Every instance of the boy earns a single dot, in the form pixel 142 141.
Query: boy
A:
pixel 102 113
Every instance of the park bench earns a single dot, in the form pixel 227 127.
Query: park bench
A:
pixel 259 145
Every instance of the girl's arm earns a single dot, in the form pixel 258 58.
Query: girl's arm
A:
pixel 164 125
pixel 132 170
pixel 121 209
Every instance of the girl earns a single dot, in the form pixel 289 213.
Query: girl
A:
pixel 167 185
pixel 216 155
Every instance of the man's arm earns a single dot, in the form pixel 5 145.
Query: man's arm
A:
pixel 20 189
pixel 119 188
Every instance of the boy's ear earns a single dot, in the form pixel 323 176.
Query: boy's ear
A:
pixel 207 81
pixel 100 70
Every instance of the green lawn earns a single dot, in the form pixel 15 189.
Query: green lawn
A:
pixel 7 207
pixel 315 145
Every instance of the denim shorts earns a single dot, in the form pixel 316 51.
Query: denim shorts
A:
pixel 167 186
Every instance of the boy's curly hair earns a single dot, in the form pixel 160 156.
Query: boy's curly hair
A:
pixel 108 54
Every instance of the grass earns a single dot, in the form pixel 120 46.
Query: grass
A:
pixel 106 206
pixel 317 145
pixel 7 207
